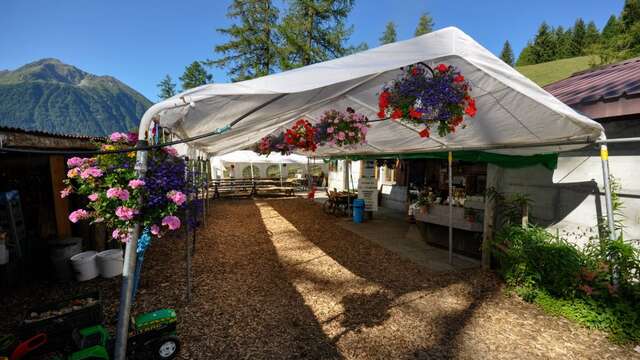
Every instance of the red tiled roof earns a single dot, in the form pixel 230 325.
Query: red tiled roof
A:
pixel 603 84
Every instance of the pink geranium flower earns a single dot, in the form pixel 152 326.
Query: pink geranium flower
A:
pixel 170 150
pixel 118 136
pixel 91 172
pixel 78 215
pixel 119 193
pixel 330 130
pixel 173 222
pixel 341 136
pixel 155 230
pixel 75 162
pixel 120 235
pixel 125 213
pixel 136 183
pixel 177 197
pixel 65 192
pixel 93 197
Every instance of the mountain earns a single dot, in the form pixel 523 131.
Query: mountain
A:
pixel 51 96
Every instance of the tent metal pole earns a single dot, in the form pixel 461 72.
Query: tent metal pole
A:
pixel 604 157
pixel 128 269
pixel 450 161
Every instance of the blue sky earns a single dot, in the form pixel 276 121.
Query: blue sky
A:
pixel 139 41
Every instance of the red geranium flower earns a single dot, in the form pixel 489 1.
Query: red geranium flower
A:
pixel 415 71
pixel 458 78
pixel 471 108
pixel 424 133
pixel 414 114
pixel 381 114
pixel 457 120
pixel 383 100
pixel 396 114
pixel 442 68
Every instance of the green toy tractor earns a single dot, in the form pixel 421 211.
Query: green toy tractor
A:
pixel 152 336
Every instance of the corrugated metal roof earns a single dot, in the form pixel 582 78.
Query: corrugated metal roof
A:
pixel 49 134
pixel 603 84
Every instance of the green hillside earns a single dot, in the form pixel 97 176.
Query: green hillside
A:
pixel 51 96
pixel 552 71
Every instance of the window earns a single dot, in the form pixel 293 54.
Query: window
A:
pixel 246 172
pixel 273 171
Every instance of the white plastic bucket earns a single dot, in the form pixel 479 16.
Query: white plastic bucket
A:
pixel 84 265
pixel 110 263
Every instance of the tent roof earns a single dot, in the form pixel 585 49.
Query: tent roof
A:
pixel 247 156
pixel 512 110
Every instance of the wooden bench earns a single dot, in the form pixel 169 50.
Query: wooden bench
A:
pixel 251 187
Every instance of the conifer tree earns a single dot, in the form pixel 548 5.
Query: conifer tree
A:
pixel 592 36
pixel 563 42
pixel 313 31
pixel 630 14
pixel 526 56
pixel 544 45
pixel 507 53
pixel 389 35
pixel 578 40
pixel 611 29
pixel 194 75
pixel 252 49
pixel 167 88
pixel 425 24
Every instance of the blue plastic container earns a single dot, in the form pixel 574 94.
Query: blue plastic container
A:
pixel 358 210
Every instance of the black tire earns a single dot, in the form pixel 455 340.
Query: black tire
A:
pixel 167 347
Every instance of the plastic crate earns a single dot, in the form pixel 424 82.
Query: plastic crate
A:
pixel 59 327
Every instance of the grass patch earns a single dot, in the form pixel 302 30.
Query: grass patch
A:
pixel 546 73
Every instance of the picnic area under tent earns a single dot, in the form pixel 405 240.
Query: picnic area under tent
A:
pixel 515 116
pixel 260 166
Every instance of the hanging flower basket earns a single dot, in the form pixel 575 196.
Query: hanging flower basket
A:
pixel 273 143
pixel 335 128
pixel 342 128
pixel 114 192
pixel 422 96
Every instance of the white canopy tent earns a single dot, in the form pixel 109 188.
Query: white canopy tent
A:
pixel 513 113
pixel 243 158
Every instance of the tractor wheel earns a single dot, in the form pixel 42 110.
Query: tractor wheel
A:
pixel 167 347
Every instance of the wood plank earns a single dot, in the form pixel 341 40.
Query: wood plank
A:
pixel 61 206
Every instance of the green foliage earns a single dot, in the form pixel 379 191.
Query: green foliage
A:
pixel 544 44
pixel 526 56
pixel 389 35
pixel 167 88
pixel 507 53
pixel 314 31
pixel 533 257
pixel 51 96
pixel 425 24
pixel 194 75
pixel 253 47
pixel 630 14
pixel 611 29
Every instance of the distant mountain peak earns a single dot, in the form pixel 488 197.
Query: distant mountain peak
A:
pixel 50 95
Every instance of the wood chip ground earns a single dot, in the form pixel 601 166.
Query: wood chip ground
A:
pixel 277 279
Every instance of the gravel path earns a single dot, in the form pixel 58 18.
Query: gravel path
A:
pixel 277 279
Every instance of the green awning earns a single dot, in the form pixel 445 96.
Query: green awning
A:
pixel 550 161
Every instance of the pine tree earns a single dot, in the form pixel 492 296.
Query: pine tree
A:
pixel 167 88
pixel 611 29
pixel 579 38
pixel 313 31
pixel 194 75
pixel 389 35
pixel 630 14
pixel 544 45
pixel 358 48
pixel 563 42
pixel 526 56
pixel 252 49
pixel 592 36
pixel 507 53
pixel 425 24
